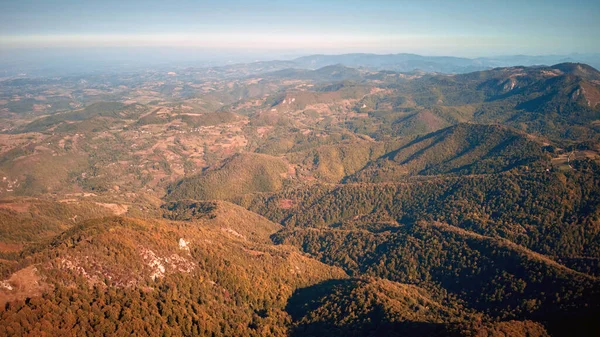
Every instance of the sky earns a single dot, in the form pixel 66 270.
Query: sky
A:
pixel 457 28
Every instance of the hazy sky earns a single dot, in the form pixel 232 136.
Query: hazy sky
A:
pixel 462 28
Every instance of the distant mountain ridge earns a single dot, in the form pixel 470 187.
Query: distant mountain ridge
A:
pixel 444 64
pixel 403 62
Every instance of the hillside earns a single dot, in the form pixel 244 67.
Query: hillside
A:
pixel 546 210
pixel 244 173
pixel 557 101
pixel 328 73
pixel 224 215
pixel 202 277
pixel 460 149
pixel 28 220
pixel 100 109
pixel 489 274
pixel 332 163
pixel 188 278
pixel 379 307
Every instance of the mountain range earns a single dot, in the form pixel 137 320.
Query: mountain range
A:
pixel 353 195
pixel 57 63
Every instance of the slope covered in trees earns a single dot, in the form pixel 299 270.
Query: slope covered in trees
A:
pixel 460 149
pixel 491 275
pixel 509 205
pixel 377 307
pixel 241 174
pixel 124 276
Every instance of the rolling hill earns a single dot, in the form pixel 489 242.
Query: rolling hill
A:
pixel 243 173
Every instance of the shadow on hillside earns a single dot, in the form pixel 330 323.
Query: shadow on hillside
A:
pixel 413 329
pixel 371 323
